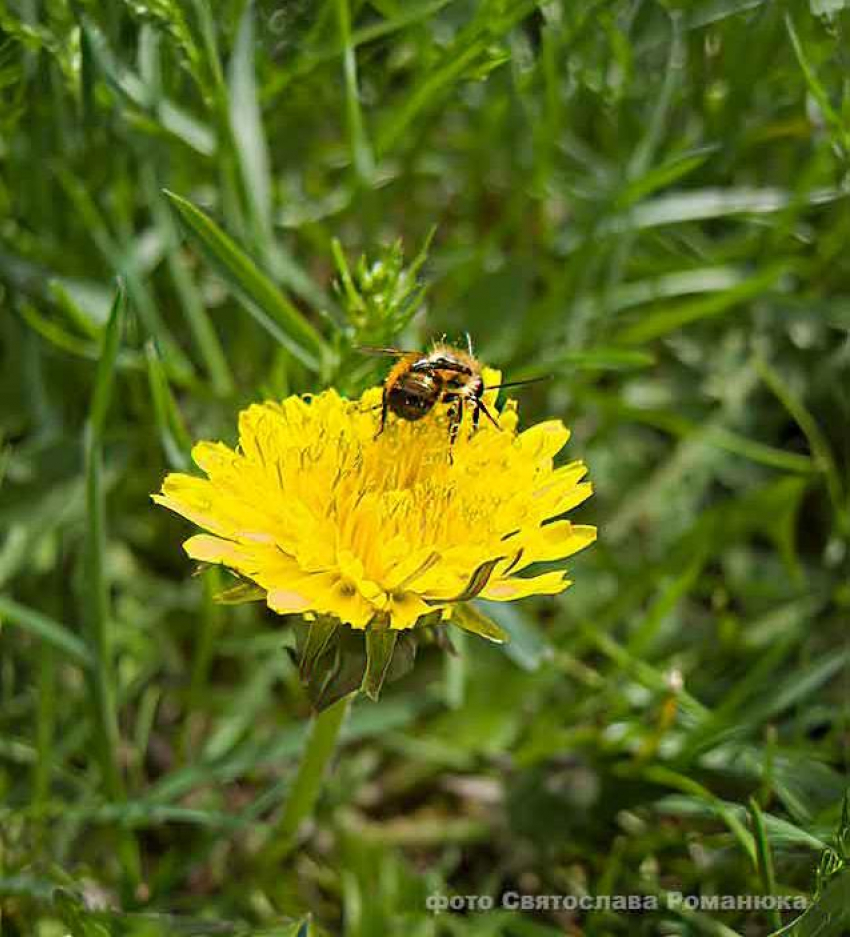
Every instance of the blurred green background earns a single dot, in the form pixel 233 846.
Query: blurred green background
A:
pixel 646 200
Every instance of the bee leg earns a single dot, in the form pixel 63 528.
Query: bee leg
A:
pixel 480 407
pixel 384 409
pixel 454 428
pixel 455 415
pixel 476 415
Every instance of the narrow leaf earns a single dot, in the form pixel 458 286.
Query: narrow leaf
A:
pixel 97 587
pixel 191 302
pixel 47 629
pixel 670 318
pixel 105 375
pixel 829 914
pixel 318 638
pixel 601 359
pixel 472 619
pixel 477 581
pixel 274 312
pixel 237 595
pixel 380 644
pixel 404 656
pixel 359 143
pixel 526 646
pixel 764 859
pixel 173 435
pixel 247 127
pixel 345 678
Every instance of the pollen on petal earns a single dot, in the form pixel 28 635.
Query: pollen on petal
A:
pixel 287 602
pixel 506 590
pixel 209 549
pixel 555 541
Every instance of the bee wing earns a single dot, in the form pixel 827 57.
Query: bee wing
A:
pixel 391 352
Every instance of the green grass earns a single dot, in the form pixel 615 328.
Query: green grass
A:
pixel 646 201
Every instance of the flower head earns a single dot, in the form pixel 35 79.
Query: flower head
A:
pixel 329 519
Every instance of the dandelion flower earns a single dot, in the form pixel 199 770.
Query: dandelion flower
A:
pixel 329 519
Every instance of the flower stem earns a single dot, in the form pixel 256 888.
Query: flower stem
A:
pixel 320 746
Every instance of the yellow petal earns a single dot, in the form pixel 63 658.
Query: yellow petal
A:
pixel 346 602
pixel 212 457
pixel 560 491
pixel 209 549
pixel 544 440
pixel 506 590
pixel 405 609
pixel 192 498
pixel 555 541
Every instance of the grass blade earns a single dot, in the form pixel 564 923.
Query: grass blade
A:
pixel 45 628
pixel 472 619
pixel 247 130
pixel 380 644
pixel 191 302
pixel 277 315
pixel 175 439
pixel 364 163
pixel 765 860
pixel 97 594
pixel 816 88
pixel 821 452
pixel 669 319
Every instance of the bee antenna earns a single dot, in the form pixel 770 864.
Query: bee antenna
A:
pixel 530 380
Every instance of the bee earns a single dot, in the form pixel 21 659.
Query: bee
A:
pixel 420 380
